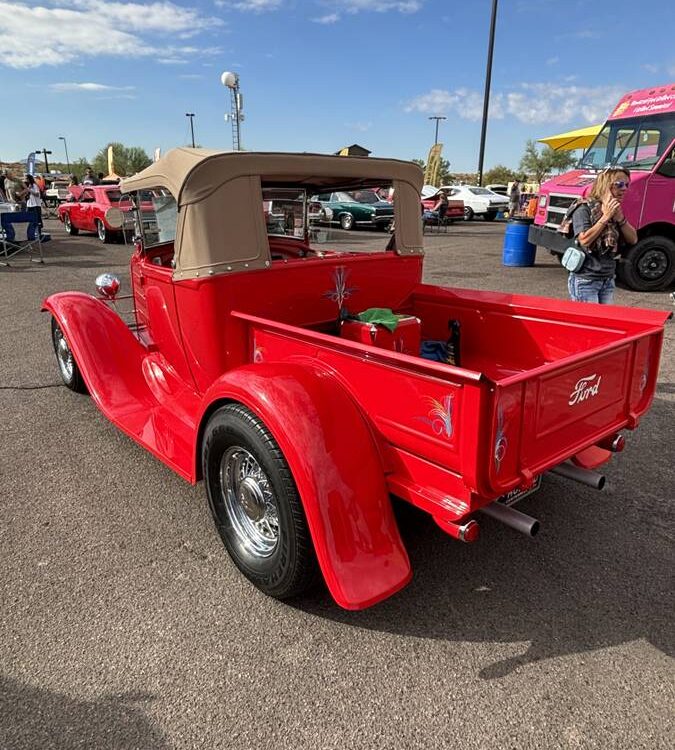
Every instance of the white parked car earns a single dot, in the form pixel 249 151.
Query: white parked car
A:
pixel 478 201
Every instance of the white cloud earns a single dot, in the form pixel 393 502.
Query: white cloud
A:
pixel 253 6
pixel 671 70
pixel 145 17
pixel 650 68
pixel 31 37
pixel 330 18
pixel 532 103
pixel 553 60
pixel 466 103
pixel 191 76
pixel 88 87
pixel 555 103
pixel 381 6
pixel 361 127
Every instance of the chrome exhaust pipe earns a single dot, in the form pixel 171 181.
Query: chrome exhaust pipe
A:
pixel 513 518
pixel 586 476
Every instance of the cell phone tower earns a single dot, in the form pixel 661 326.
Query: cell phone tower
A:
pixel 235 116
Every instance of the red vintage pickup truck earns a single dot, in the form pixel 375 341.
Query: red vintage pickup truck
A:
pixel 254 363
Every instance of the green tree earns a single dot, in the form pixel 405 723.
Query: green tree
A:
pixel 499 175
pixel 538 163
pixel 126 160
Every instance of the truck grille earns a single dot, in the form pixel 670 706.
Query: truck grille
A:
pixel 557 208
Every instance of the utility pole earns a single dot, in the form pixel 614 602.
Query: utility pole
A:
pixel 45 152
pixel 486 97
pixel 192 129
pixel 437 118
pixel 65 145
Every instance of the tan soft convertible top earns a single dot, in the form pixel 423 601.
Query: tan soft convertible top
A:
pixel 221 226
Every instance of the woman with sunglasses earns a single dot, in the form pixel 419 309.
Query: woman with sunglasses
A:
pixel 601 230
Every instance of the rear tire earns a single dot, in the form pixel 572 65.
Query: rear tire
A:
pixel 346 221
pixel 489 217
pixel 103 234
pixel 255 504
pixel 649 266
pixel 69 226
pixel 70 372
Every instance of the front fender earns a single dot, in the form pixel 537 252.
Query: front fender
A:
pixel 107 353
pixel 335 463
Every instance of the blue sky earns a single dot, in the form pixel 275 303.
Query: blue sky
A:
pixel 317 75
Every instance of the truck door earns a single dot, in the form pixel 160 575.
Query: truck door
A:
pixel 659 200
pixel 84 210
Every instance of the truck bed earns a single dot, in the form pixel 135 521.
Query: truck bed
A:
pixel 540 381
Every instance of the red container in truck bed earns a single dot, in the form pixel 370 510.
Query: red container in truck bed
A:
pixel 405 338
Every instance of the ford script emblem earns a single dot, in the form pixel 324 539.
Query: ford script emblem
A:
pixel 585 388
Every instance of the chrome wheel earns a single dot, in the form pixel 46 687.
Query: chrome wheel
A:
pixel 70 372
pixel 101 231
pixel 64 356
pixel 250 502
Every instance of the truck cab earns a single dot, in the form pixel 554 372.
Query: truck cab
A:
pixel 639 136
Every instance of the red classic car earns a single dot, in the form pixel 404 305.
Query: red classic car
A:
pixel 98 208
pixel 307 385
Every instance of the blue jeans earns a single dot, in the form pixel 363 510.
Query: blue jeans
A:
pixel 582 289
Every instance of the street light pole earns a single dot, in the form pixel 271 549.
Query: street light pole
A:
pixel 437 118
pixel 192 129
pixel 486 97
pixel 65 145
pixel 45 152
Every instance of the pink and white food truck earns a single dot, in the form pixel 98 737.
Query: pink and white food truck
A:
pixel 639 135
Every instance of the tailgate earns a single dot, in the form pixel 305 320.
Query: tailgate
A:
pixel 544 417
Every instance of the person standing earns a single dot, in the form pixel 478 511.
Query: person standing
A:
pixel 514 198
pixel 31 195
pixel 8 187
pixel 89 177
pixel 601 230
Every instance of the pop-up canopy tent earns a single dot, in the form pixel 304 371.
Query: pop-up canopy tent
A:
pixel 581 138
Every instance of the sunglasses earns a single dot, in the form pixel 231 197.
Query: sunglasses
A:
pixel 621 184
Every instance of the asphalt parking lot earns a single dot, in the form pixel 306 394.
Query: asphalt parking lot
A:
pixel 124 624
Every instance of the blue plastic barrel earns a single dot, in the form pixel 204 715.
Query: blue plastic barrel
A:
pixel 518 251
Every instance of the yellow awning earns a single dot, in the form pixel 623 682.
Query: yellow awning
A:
pixel 581 138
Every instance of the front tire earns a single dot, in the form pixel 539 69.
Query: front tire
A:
pixel 256 505
pixel 346 221
pixel 468 213
pixel 489 216
pixel 69 226
pixel 649 266
pixel 70 372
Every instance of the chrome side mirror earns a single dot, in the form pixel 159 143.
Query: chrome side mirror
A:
pixel 107 285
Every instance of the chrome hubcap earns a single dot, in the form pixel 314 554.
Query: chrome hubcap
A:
pixel 64 356
pixel 101 231
pixel 249 501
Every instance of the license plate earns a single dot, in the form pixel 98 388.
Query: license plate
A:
pixel 516 495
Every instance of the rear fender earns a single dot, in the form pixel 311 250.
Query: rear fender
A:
pixel 336 466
